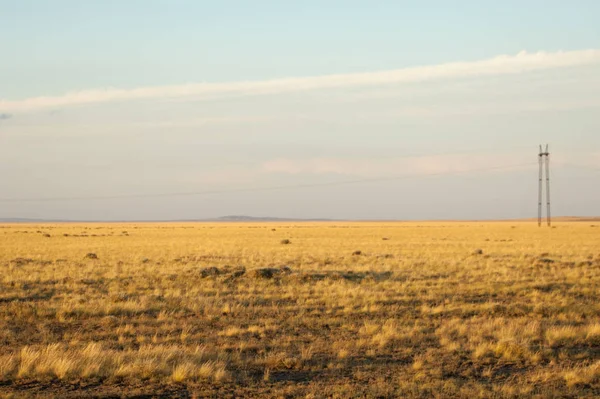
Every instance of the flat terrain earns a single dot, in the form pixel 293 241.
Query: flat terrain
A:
pixel 312 310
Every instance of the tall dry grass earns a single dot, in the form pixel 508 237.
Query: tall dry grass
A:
pixel 434 309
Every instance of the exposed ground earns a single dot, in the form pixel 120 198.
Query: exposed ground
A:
pixel 306 310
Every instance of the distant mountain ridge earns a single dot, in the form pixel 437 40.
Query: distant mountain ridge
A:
pixel 28 220
pixel 228 218
pixel 244 218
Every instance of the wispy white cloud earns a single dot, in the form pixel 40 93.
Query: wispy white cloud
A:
pixel 382 168
pixel 500 65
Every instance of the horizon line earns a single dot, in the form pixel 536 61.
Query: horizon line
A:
pixel 267 219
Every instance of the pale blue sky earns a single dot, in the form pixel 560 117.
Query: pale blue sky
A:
pixel 50 47
pixel 156 131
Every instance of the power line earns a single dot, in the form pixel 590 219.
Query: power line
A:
pixel 407 155
pixel 258 189
pixel 587 167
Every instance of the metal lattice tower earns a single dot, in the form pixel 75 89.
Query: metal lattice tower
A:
pixel 544 159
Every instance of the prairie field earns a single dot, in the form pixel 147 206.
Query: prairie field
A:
pixel 310 310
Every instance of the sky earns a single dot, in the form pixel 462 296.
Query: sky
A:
pixel 167 110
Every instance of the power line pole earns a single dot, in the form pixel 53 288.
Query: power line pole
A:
pixel 544 159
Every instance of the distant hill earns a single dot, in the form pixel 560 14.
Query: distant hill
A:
pixel 27 220
pixel 229 218
pixel 242 218
pixel 559 219
pixel 578 219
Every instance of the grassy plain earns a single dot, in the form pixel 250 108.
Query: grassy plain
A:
pixel 477 310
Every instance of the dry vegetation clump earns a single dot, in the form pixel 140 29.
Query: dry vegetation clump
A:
pixel 226 310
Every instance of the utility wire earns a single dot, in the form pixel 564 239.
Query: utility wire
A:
pixel 258 189
pixel 587 167
pixel 403 155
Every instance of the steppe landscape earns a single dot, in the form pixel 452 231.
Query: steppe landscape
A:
pixel 312 310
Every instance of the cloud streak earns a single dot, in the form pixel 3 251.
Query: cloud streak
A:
pixel 382 168
pixel 501 65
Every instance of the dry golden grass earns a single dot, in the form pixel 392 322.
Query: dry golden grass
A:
pixel 227 310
